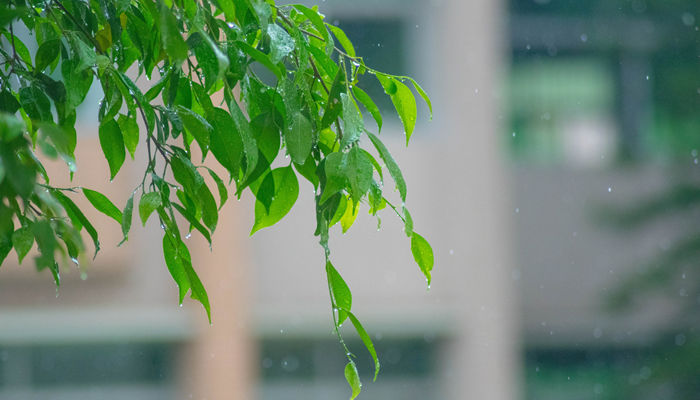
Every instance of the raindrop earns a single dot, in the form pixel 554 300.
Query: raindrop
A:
pixel 597 388
pixel 230 25
pixel 513 134
pixel 189 235
pixel 75 261
pixel 647 77
pixel 609 189
pixel 680 339
pixel 584 37
pixel 517 210
pixel 180 304
pixel 452 252
pixel 597 333
pixel 282 331
pixel 688 19
pixel 476 91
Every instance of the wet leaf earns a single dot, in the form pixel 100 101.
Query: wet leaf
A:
pixel 149 202
pixel 103 204
pixel 423 254
pixel 286 191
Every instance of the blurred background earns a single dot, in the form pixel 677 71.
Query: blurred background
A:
pixel 558 184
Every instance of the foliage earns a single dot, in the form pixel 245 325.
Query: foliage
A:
pixel 287 79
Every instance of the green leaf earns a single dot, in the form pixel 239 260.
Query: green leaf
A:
pixel 335 166
pixel 366 340
pixel 342 39
pixel 298 138
pixel 22 240
pixel 103 204
pixel 210 58
pixel 281 44
pixel 424 95
pixel 179 263
pixel 194 223
pixel 46 242
pixel 197 126
pixel 359 173
pixel 390 165
pixel 198 292
pixel 286 191
pixel 339 212
pixel 408 222
pixel 342 297
pixel 47 53
pixel 369 104
pixel 423 254
pixel 170 35
pixel 353 379
pixel 260 57
pixel 174 262
pixel 210 214
pixel 149 202
pixel 250 147
pixel 130 132
pixel 112 145
pixel 334 106
pixel 35 104
pixel 77 217
pixel 127 217
pixel 223 193
pixel 403 101
pixel 317 21
pixel 84 55
pixel 352 121
pixel 226 143
pixel 349 216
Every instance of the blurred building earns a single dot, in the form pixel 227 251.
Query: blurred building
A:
pixel 119 333
pixel 603 100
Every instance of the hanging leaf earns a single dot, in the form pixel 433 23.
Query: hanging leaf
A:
pixel 286 191
pixel 170 35
pixel 127 217
pixel 342 297
pixel 353 378
pixel 103 204
pixel 403 101
pixel 112 146
pixel 391 165
pixel 149 202
pixel 423 254
pixel 366 340
pixel 298 138
pixel 22 240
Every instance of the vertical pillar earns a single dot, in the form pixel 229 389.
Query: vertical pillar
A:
pixel 219 363
pixel 469 59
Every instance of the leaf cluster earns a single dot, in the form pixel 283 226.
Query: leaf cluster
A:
pixel 287 107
